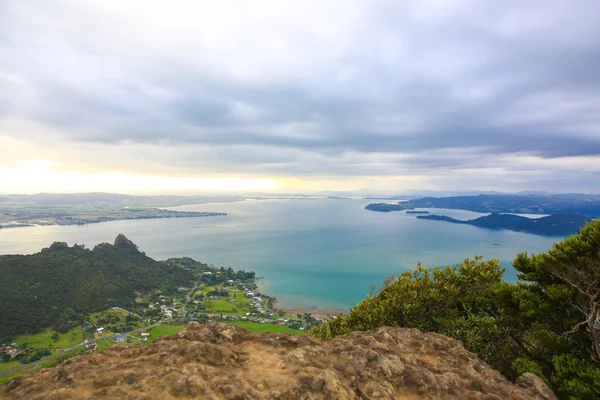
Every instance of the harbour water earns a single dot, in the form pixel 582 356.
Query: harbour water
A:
pixel 323 253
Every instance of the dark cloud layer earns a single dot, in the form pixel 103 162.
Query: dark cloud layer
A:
pixel 372 88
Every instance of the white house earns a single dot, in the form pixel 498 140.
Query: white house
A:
pixel 100 330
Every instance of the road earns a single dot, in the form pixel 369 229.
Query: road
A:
pixel 127 311
pixel 188 298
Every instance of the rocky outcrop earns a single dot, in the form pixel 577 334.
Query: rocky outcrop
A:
pixel 219 361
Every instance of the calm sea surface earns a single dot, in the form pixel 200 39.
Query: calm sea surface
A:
pixel 311 253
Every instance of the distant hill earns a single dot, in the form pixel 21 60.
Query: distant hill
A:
pixel 62 283
pixel 55 199
pixel 586 205
pixel 553 225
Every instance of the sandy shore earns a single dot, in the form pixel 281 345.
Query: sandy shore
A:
pixel 315 312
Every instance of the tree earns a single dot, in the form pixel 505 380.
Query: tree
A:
pixel 425 299
pixel 6 357
pixel 130 318
pixel 55 336
pixel 547 323
pixel 570 274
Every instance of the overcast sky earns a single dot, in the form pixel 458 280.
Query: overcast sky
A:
pixel 183 96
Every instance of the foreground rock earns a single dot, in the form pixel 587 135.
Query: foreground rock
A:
pixel 219 361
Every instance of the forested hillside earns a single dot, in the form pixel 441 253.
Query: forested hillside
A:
pixel 60 285
pixel 547 323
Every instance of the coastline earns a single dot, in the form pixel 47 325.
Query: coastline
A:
pixel 314 312
pixel 99 220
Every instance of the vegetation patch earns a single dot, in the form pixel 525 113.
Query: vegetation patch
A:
pixel 548 323
pixel 6 365
pixel 163 330
pixel 50 339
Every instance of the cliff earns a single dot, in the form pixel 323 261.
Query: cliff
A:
pixel 219 361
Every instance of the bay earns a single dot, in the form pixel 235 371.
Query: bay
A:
pixel 323 253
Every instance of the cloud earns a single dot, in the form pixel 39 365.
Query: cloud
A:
pixel 336 90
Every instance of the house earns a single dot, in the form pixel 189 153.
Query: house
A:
pixel 145 335
pixel 207 273
pixel 120 338
pixel 100 330
pixel 91 346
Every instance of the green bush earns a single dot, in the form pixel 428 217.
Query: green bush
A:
pixel 547 323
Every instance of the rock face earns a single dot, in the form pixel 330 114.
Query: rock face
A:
pixel 219 361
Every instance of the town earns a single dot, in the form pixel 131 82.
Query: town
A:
pixel 217 295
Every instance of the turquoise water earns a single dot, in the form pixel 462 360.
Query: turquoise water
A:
pixel 311 253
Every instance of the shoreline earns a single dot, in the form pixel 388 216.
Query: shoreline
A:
pixel 314 312
pixel 82 222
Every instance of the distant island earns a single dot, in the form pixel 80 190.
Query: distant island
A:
pixel 568 212
pixel 553 225
pixel 586 205
pixel 386 207
pixel 89 208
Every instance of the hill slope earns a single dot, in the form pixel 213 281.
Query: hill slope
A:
pixel 60 283
pixel 219 361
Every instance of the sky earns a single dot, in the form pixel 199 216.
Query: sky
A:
pixel 279 96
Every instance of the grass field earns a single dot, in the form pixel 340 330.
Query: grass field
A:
pixel 106 314
pixel 260 328
pixel 43 340
pixel 242 305
pixel 4 365
pixel 162 330
pixel 102 344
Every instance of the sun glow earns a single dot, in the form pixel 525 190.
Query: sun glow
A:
pixel 32 176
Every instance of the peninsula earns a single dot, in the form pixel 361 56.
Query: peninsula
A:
pixel 89 208
pixel 569 212
pixel 553 225
pixel 583 204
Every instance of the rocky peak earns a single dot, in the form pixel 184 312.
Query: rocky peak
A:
pixel 122 242
pixel 220 361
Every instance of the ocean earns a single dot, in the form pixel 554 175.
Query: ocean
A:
pixel 311 253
